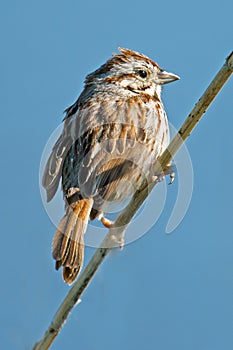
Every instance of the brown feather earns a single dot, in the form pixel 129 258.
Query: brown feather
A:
pixel 68 242
pixel 112 136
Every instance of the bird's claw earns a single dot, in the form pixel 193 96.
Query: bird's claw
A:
pixel 170 170
pixel 172 178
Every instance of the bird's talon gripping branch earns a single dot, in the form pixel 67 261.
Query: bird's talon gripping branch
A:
pixel 170 170
pixel 118 240
pixel 158 178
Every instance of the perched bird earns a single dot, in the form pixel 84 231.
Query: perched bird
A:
pixel 112 136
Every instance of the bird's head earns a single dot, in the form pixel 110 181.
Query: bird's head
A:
pixel 131 71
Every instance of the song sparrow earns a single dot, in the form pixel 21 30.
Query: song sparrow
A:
pixel 112 137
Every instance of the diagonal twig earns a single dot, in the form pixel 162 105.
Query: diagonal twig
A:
pixel 139 197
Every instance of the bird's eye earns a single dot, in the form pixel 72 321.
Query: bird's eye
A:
pixel 142 73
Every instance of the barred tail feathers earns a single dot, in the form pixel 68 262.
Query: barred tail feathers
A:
pixel 68 242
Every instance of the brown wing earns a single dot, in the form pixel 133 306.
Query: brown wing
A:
pixel 53 169
pixel 54 165
pixel 99 142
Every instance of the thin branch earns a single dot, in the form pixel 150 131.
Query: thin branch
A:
pixel 139 197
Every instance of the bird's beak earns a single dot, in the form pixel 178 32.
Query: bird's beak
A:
pixel 165 77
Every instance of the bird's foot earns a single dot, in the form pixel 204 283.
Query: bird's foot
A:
pixel 169 170
pixel 118 239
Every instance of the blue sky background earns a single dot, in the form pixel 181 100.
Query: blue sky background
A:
pixel 163 291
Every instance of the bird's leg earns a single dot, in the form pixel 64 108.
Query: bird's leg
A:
pixel 169 170
pixel 108 224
